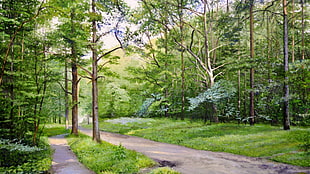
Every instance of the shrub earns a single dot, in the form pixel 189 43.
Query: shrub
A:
pixel 17 157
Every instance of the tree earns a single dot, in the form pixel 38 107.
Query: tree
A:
pixel 74 73
pixel 252 113
pixel 286 118
pixel 73 34
pixel 95 59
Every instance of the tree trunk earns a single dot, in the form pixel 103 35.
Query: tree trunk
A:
pixel 75 80
pixel 66 96
pixel 74 99
pixel 252 120
pixel 96 132
pixel 302 30
pixel 227 6
pixel 12 93
pixel 293 32
pixel 183 86
pixel 166 105
pixel 286 120
pixel 182 60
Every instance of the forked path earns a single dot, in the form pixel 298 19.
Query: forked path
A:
pixel 190 161
pixel 64 160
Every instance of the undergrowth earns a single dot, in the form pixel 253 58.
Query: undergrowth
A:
pixel 256 141
pixel 18 157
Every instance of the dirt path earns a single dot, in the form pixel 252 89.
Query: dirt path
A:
pixel 190 161
pixel 64 160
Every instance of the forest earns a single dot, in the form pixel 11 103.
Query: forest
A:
pixel 214 61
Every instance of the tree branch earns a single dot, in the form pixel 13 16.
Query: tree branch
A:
pixel 213 49
pixel 67 92
pixel 86 77
pixel 109 52
pixel 218 74
pixel 101 66
pixel 193 54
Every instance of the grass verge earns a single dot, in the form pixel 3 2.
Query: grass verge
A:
pixel 265 141
pixel 106 158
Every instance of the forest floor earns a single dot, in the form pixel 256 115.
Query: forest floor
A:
pixel 64 160
pixel 189 161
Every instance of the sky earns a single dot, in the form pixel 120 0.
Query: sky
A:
pixel 132 3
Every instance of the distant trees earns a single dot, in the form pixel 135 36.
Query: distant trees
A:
pixel 215 42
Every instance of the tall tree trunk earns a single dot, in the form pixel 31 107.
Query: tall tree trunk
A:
pixel 166 105
pixel 182 59
pixel 245 79
pixel 75 80
pixel 96 132
pixel 293 31
pixel 286 119
pixel 12 93
pixel 227 6
pixel 74 99
pixel 66 96
pixel 302 30
pixel 252 114
pixel 239 73
pixel 183 86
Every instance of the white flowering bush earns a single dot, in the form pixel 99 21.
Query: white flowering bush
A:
pixel 219 91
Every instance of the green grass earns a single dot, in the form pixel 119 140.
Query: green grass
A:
pixel 164 170
pixel 256 141
pixel 54 129
pixel 107 158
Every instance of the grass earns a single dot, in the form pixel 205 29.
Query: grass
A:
pixel 256 141
pixel 54 129
pixel 164 170
pixel 107 158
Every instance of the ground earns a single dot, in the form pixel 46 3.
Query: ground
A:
pixel 182 159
